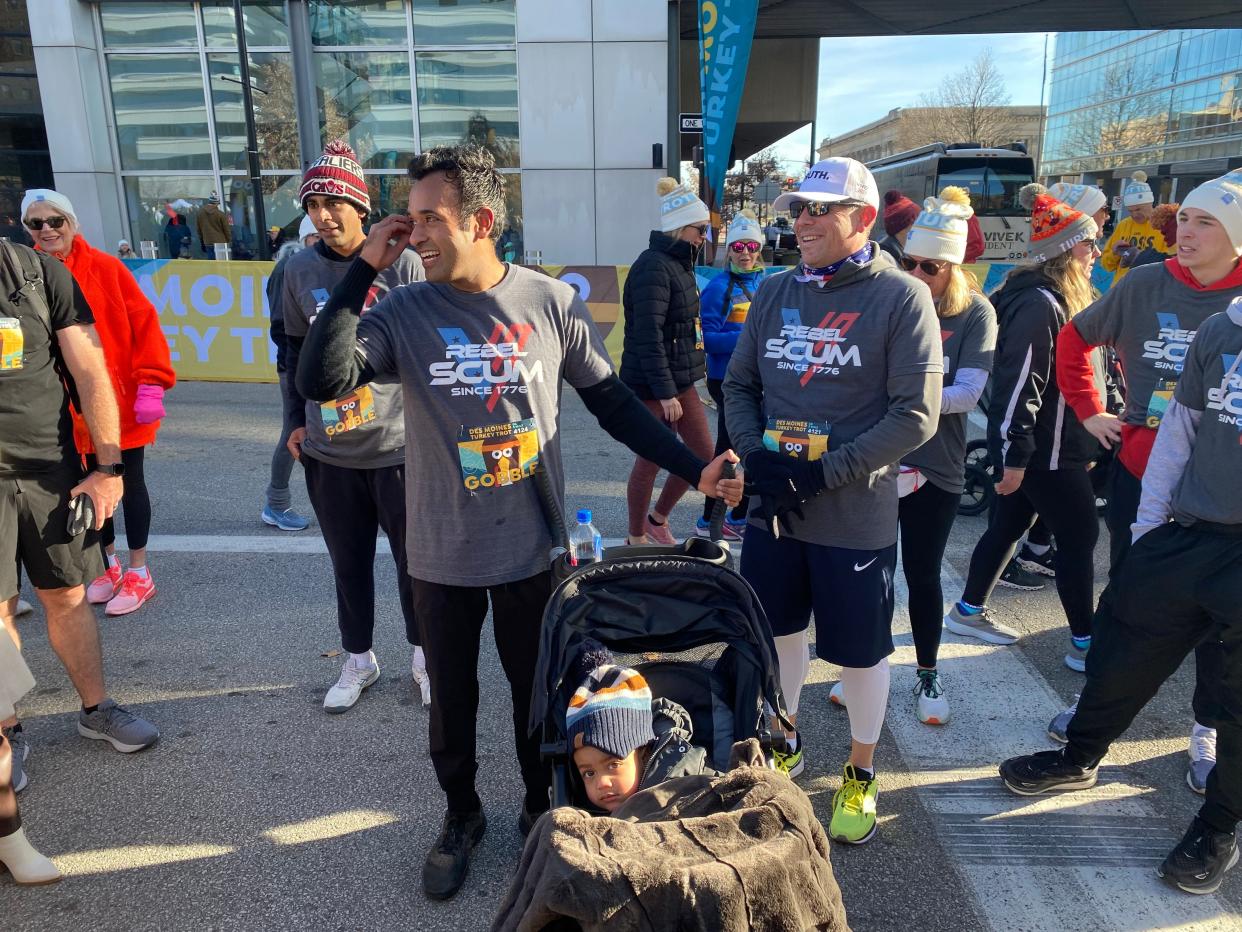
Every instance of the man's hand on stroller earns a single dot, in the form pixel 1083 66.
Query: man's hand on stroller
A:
pixel 713 484
pixel 782 484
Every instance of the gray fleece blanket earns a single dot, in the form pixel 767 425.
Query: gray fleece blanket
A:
pixel 737 852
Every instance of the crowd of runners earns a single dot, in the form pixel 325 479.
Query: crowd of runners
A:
pixel 842 389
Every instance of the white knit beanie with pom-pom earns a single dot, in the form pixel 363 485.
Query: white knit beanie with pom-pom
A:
pixel 939 231
pixel 744 226
pixel 1137 191
pixel 679 206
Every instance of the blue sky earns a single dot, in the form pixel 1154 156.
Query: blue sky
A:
pixel 861 79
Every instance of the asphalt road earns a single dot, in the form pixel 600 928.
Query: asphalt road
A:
pixel 258 811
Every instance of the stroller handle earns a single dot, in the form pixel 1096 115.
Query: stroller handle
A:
pixel 716 526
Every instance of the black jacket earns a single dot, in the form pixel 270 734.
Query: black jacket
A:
pixel 663 350
pixel 1029 424
pixel 890 245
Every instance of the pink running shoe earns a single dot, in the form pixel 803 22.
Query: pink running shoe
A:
pixel 104 587
pixel 135 592
pixel 660 534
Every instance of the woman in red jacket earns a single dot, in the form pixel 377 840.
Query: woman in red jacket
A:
pixel 137 355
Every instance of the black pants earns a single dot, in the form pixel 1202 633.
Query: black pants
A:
pixel 135 501
pixel 352 505
pixel 1178 586
pixel 1063 497
pixel 715 388
pixel 452 623
pixel 926 518
pixel 1039 535
pixel 1124 492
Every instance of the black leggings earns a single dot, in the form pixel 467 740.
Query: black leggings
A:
pixel 715 388
pixel 1066 501
pixel 926 518
pixel 135 500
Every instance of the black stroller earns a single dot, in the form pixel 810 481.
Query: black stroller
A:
pixel 683 618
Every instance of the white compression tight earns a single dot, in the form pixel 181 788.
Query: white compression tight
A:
pixel 795 661
pixel 866 699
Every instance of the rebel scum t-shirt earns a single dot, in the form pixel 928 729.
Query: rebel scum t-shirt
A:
pixel 363 429
pixel 1150 318
pixel 481 376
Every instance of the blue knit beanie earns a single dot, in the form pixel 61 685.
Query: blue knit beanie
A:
pixel 610 711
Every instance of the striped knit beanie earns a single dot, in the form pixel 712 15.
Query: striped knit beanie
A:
pixel 336 173
pixel 611 711
pixel 1055 227
pixel 1137 191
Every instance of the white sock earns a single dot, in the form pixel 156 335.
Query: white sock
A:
pixel 1202 730
pixel 113 560
pixel 794 662
pixel 867 689
pixel 142 571
pixel 362 661
pixel 1038 549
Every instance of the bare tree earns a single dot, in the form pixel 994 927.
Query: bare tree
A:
pixel 1122 119
pixel 740 186
pixel 970 105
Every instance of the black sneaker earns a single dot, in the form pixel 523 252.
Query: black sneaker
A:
pixel 444 870
pixel 1015 577
pixel 1199 862
pixel 1041 563
pixel 1038 773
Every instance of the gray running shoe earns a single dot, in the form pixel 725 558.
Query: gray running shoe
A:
pixel 1076 659
pixel 1202 753
pixel 1060 722
pixel 21 750
pixel 118 726
pixel 983 626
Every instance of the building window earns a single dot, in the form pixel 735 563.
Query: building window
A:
pixel 380 22
pixel 161 113
pixel 266 24
pixel 144 25
pixel 464 22
pixel 469 97
pixel 275 113
pixel 365 97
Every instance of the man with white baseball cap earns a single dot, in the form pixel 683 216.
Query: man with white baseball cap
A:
pixel 836 376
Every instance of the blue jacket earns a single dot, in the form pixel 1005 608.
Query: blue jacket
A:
pixel 715 304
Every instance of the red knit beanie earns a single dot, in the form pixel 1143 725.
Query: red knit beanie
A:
pixel 899 212
pixel 975 246
pixel 336 173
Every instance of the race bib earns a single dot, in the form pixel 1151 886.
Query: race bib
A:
pixel 698 334
pixel 737 313
pixel 1159 402
pixel 803 440
pixel 12 343
pixel 357 409
pixel 498 455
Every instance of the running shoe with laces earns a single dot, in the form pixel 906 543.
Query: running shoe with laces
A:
pixel 730 530
pixel 1042 563
pixel 1202 752
pixel 853 808
pixel 932 705
pixel 983 625
pixel 1059 725
pixel 788 762
pixel 1200 860
pixel 659 533
pixel 349 686
pixel 284 520
pixel 20 749
pixel 444 870
pixel 1032 774
pixel 836 695
pixel 1015 577
pixel 115 724
pixel 103 588
pixel 136 591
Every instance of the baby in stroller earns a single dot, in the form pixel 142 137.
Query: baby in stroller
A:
pixel 622 740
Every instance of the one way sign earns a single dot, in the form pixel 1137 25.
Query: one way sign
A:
pixel 692 122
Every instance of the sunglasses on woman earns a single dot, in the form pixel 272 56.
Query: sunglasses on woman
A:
pixel 816 208
pixel 927 265
pixel 741 247
pixel 38 223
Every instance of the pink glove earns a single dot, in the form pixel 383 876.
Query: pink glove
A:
pixel 149 405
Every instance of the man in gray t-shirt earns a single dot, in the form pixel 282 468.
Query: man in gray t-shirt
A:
pixel 481 350
pixel 352 447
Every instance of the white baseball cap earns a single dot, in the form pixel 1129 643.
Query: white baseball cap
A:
pixel 832 180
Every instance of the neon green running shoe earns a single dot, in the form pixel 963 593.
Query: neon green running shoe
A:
pixel 853 808
pixel 790 763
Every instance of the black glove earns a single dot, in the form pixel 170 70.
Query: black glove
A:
pixel 782 484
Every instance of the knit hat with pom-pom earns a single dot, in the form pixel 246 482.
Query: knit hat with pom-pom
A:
pixel 679 206
pixel 1055 227
pixel 744 226
pixel 1085 197
pixel 1137 191
pixel 939 231
pixel 336 173
pixel 611 709
pixel 899 212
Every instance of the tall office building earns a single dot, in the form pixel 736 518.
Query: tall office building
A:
pixel 24 159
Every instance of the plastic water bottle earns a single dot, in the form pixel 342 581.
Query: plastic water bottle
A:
pixel 585 544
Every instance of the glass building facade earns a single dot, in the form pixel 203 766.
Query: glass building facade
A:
pixel 392 77
pixel 1169 102
pixel 24 159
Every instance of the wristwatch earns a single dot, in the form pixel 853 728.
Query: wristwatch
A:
pixel 111 469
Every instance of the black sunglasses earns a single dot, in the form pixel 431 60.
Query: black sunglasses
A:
pixel 703 229
pixel 744 247
pixel 38 223
pixel 927 265
pixel 816 208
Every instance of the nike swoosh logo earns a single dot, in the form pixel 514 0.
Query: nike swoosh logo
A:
pixel 859 569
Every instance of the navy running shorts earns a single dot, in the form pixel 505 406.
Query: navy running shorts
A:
pixel 849 591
